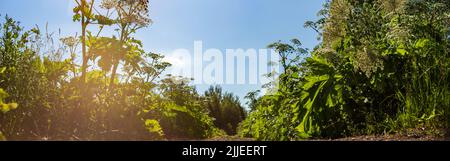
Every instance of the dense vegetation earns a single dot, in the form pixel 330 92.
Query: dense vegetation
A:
pixel 50 89
pixel 383 67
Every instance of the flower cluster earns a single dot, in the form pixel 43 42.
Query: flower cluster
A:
pixel 136 19
pixel 136 11
pixel 109 4
pixel 130 11
pixel 69 41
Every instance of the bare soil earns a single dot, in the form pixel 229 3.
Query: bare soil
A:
pixel 390 138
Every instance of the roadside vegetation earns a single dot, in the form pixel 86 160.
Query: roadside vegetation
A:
pixel 382 68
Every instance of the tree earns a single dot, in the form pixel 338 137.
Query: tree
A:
pixel 252 98
pixel 225 108
pixel 180 111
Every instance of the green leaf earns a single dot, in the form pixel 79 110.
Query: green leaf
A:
pixel 330 101
pixel 2 137
pixel 3 95
pixel 313 80
pixel 421 43
pixel 153 126
pixel 4 108
pixel 401 51
pixel 76 17
pixel 13 106
pixel 76 9
pixel 295 75
pixel 2 70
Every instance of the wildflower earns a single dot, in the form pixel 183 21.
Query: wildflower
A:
pixel 69 41
pixel 108 4
pixel 134 11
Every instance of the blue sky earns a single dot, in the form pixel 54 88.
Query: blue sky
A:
pixel 220 24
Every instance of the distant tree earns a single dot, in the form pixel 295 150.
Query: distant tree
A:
pixel 225 108
pixel 252 98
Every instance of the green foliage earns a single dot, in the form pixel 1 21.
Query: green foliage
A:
pixel 225 108
pixel 154 127
pixel 383 67
pixel 5 107
pixel 2 138
pixel 321 97
pixel 180 111
pixel 56 105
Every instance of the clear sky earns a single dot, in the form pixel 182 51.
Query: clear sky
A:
pixel 221 24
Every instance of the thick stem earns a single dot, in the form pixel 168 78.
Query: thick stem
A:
pixel 84 65
pixel 113 76
pixel 83 44
pixel 116 63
